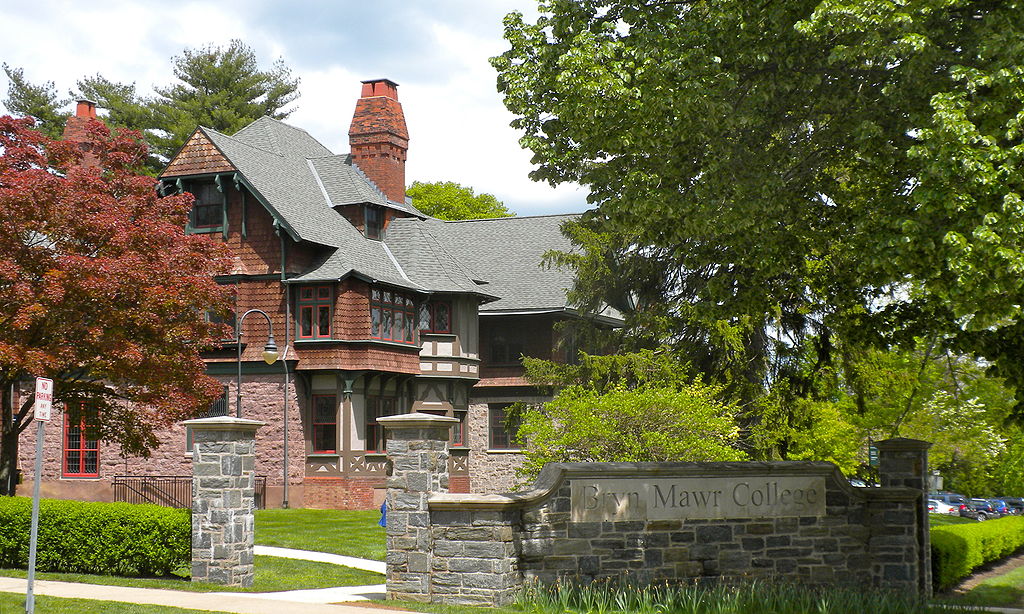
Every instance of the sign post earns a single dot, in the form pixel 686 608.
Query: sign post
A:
pixel 43 405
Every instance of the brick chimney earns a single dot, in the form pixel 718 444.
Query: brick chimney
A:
pixel 76 132
pixel 378 138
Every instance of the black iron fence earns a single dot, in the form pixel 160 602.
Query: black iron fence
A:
pixel 168 490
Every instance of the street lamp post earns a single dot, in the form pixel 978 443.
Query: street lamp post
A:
pixel 269 354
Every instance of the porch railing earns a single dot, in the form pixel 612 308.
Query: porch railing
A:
pixel 168 490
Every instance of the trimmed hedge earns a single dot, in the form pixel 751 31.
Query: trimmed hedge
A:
pixel 958 549
pixel 119 539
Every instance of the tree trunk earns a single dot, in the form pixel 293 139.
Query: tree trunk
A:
pixel 9 432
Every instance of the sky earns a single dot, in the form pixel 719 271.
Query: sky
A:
pixel 436 50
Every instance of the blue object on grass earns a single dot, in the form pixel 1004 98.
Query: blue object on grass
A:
pixel 383 514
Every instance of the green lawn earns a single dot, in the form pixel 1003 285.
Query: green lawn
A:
pixel 345 532
pixel 941 519
pixel 14 603
pixel 272 574
pixel 1006 590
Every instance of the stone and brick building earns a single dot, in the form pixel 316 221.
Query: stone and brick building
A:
pixel 377 309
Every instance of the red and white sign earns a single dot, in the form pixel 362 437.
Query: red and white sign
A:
pixel 44 398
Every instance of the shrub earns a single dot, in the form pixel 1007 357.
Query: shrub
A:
pixel 958 549
pixel 100 538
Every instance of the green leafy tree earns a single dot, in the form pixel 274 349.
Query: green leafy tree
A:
pixel 447 200
pixel 781 188
pixel 40 102
pixel 631 407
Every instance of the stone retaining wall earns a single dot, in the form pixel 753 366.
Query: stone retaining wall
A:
pixel 796 521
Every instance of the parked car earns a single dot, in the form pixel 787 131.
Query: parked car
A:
pixel 938 507
pixel 1016 504
pixel 956 500
pixel 1000 506
pixel 983 509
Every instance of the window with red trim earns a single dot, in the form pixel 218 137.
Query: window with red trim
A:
pixel 325 424
pixel 377 407
pixel 314 307
pixel 504 426
pixel 435 317
pixel 459 430
pixel 81 444
pixel 392 316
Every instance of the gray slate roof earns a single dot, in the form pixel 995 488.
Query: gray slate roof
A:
pixel 499 260
pixel 507 253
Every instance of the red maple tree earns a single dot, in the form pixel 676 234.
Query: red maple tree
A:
pixel 100 289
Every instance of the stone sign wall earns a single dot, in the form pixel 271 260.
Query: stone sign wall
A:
pixel 799 521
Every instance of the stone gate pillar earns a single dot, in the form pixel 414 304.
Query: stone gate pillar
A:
pixel 417 446
pixel 903 462
pixel 223 498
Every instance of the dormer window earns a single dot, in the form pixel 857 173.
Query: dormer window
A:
pixel 208 212
pixel 374 222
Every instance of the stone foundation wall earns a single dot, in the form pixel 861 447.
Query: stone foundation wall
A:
pixel 490 471
pixel 652 522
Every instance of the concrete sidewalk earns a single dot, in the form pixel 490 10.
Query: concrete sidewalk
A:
pixel 323 557
pixel 235 603
pixel 309 601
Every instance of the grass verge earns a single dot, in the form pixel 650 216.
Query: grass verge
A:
pixel 937 520
pixel 345 532
pixel 14 603
pixel 1006 590
pixel 272 574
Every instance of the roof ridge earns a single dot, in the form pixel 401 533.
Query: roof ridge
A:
pixel 435 246
pixel 509 218
pixel 240 142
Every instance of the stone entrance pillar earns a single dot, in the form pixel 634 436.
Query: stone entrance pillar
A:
pixel 903 462
pixel 417 446
pixel 223 498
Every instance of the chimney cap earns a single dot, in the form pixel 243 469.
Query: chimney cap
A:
pixel 388 81
pixel 85 108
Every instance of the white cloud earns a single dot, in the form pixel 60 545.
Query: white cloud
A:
pixel 459 128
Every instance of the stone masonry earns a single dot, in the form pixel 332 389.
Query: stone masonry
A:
pixel 223 491
pixel 903 463
pixel 417 446
pixel 811 527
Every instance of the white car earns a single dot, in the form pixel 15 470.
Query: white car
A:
pixel 938 507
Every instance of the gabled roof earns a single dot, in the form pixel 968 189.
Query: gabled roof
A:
pixel 426 261
pixel 508 253
pixel 301 182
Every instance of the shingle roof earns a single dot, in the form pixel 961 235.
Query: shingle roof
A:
pixel 507 253
pixel 301 181
pixel 425 260
pixel 287 184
